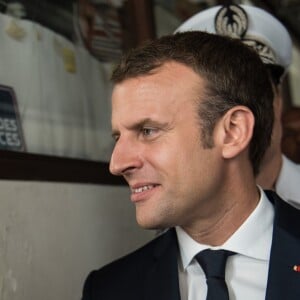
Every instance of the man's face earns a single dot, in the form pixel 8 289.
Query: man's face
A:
pixel 173 179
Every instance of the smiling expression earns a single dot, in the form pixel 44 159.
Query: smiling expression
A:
pixel 173 179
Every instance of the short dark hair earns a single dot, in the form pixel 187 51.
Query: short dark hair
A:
pixel 276 73
pixel 233 73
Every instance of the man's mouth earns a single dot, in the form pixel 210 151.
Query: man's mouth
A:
pixel 142 188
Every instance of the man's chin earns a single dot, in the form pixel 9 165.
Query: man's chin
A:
pixel 151 224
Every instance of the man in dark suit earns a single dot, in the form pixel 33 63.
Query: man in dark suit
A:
pixel 192 116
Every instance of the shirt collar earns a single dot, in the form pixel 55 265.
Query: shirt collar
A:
pixel 253 238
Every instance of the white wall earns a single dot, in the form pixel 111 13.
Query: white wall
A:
pixel 52 235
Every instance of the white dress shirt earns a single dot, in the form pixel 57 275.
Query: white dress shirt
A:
pixel 288 182
pixel 246 272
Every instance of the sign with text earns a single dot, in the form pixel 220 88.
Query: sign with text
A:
pixel 11 134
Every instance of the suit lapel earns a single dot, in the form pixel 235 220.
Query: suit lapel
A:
pixel 283 281
pixel 162 278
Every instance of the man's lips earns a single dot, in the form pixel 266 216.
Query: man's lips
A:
pixel 141 192
pixel 142 188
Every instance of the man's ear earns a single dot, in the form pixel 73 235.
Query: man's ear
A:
pixel 235 131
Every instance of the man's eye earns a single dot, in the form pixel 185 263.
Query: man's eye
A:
pixel 148 131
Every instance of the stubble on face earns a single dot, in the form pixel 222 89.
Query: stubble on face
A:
pixel 171 159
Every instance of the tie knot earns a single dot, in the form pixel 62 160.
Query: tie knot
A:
pixel 213 262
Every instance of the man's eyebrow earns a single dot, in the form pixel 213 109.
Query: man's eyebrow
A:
pixel 140 124
pixel 146 121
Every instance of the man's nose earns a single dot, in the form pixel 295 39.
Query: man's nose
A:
pixel 125 157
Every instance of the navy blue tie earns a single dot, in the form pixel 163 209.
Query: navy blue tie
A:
pixel 213 263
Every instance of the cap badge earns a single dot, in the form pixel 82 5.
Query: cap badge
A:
pixel 232 20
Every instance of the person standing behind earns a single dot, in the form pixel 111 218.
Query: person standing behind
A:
pixel 291 133
pixel 192 115
pixel 269 38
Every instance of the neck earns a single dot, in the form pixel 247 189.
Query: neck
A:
pixel 231 213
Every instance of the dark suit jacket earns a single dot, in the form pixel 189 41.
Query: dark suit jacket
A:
pixel 150 273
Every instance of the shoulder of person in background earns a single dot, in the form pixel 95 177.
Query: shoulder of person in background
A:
pixel 291 134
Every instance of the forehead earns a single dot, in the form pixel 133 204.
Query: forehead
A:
pixel 171 86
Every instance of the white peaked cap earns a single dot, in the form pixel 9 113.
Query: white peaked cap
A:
pixel 262 27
